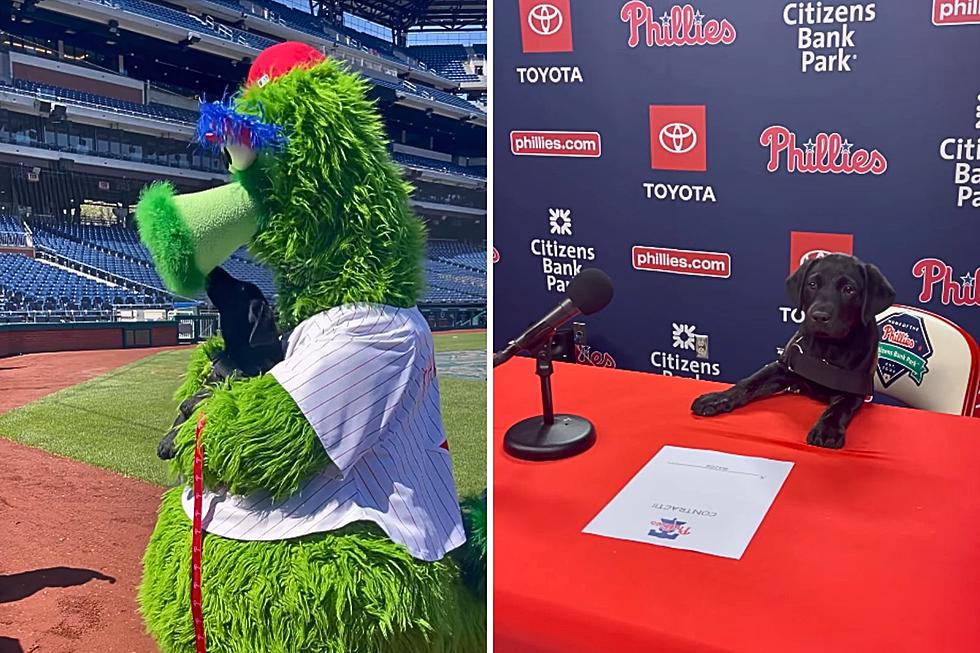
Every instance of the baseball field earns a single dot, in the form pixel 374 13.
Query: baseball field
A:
pixel 80 483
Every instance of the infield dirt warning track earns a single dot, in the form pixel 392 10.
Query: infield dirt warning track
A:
pixel 72 534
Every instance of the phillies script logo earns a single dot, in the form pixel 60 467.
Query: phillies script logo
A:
pixel 677 137
pixel 904 349
pixel 677 26
pixel 669 529
pixel 806 246
pixel 955 12
pixel 585 355
pixel 828 154
pixel 546 26
pixel 496 255
pixel 682 261
pixel 935 272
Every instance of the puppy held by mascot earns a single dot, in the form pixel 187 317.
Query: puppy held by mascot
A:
pixel 328 507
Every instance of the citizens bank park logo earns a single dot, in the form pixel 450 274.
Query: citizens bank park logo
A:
pixel 677 26
pixel 560 261
pixel 554 143
pixel 936 273
pixel 668 528
pixel 546 26
pixel 808 246
pixel 955 12
pixel 824 153
pixel 965 155
pixel 684 338
pixel 823 49
pixel 903 349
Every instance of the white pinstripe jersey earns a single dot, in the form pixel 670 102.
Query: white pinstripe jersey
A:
pixel 364 376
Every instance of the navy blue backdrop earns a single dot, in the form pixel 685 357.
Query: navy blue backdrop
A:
pixel 745 135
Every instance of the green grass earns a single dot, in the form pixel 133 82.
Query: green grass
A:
pixel 461 341
pixel 116 420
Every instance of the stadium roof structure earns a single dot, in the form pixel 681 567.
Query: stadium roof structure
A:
pixel 417 15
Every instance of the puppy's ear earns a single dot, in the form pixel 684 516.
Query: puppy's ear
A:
pixel 795 284
pixel 263 324
pixel 878 293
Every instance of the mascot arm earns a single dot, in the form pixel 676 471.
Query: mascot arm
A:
pixel 199 368
pixel 255 438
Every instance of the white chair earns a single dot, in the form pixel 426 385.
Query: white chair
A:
pixel 926 361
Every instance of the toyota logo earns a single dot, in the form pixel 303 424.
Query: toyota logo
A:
pixel 813 255
pixel 678 138
pixel 545 19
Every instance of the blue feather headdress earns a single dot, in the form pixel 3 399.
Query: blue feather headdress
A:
pixel 220 125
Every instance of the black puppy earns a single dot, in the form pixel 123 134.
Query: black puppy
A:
pixel 252 344
pixel 832 356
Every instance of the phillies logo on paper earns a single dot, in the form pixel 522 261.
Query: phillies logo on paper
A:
pixel 679 25
pixel 823 153
pixel 955 12
pixel 546 25
pixel 806 246
pixel 678 138
pixel 669 528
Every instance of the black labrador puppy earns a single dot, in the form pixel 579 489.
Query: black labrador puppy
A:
pixel 252 343
pixel 832 356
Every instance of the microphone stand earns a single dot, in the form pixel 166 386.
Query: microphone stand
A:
pixel 548 436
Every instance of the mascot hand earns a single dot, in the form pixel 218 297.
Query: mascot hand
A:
pixel 210 366
pixel 255 438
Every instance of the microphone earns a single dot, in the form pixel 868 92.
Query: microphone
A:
pixel 590 291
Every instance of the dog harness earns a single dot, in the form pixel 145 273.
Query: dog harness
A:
pixel 859 381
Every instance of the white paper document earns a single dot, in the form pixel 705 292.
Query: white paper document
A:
pixel 694 499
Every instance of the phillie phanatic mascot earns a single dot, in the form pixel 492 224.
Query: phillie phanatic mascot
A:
pixel 327 502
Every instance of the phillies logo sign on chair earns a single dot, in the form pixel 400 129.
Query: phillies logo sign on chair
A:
pixel 678 137
pixel 904 349
pixel 546 25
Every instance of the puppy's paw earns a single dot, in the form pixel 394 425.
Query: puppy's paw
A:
pixel 166 449
pixel 713 403
pixel 829 436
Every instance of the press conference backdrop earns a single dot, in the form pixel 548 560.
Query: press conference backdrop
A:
pixel 698 153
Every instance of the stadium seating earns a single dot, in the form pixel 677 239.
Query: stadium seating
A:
pixel 27 284
pixel 446 60
pixel 439 166
pixel 459 254
pixel 455 271
pixel 426 92
pixel 151 110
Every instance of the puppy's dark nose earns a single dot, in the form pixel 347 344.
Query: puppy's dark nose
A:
pixel 820 316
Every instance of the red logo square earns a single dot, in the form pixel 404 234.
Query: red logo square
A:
pixel 546 25
pixel 805 245
pixel 678 138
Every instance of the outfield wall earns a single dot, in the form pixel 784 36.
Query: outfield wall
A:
pixel 78 336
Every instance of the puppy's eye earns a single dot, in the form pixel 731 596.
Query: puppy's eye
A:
pixel 849 290
pixel 812 284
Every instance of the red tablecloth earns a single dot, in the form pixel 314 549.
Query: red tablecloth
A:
pixel 872 549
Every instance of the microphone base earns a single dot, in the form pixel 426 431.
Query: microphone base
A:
pixel 532 439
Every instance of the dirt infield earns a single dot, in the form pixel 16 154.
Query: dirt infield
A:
pixel 72 534
pixel 27 378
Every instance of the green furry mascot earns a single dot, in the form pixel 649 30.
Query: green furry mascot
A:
pixel 330 517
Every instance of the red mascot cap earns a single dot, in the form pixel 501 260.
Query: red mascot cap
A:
pixel 279 59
